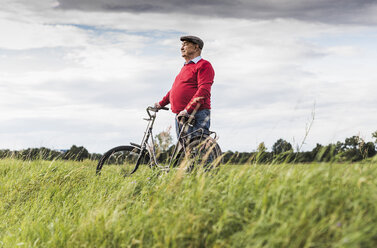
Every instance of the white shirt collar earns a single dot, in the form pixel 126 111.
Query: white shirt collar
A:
pixel 194 60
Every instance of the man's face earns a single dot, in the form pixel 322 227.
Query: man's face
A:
pixel 188 49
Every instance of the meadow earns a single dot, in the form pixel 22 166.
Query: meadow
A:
pixel 63 204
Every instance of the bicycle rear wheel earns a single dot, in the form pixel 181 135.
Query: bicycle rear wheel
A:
pixel 204 152
pixel 122 160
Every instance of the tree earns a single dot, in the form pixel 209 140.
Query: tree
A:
pixel 281 146
pixel 303 157
pixel 374 135
pixel 368 150
pixel 163 140
pixel 352 143
pixel 261 148
pixel 352 149
pixel 5 153
pixel 316 150
pixel 38 153
pixel 228 156
pixel 78 153
pixel 262 156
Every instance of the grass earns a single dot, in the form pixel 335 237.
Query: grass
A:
pixel 63 204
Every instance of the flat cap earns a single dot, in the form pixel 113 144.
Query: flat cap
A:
pixel 193 39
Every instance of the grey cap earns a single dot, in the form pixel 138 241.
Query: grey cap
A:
pixel 193 39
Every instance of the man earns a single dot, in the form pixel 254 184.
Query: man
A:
pixel 191 90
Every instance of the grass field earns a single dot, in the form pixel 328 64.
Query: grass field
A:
pixel 63 204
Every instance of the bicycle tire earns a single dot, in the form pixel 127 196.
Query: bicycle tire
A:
pixel 122 159
pixel 201 152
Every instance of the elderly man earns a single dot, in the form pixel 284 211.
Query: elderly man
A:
pixel 191 90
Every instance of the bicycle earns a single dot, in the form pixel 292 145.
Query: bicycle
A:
pixel 192 149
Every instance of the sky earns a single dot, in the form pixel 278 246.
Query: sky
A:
pixel 83 71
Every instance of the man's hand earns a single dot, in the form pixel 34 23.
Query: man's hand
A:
pixel 157 105
pixel 183 113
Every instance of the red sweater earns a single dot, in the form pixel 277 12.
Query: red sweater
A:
pixel 191 87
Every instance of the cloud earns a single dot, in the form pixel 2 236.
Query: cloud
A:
pixel 84 72
pixel 336 11
pixel 20 35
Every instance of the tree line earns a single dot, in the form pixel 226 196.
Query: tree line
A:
pixel 352 149
pixel 76 153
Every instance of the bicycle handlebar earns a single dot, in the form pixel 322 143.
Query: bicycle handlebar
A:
pixel 153 109
pixel 156 109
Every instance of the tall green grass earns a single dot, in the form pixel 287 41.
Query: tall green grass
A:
pixel 63 204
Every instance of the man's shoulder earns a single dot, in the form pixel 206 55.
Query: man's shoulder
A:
pixel 203 63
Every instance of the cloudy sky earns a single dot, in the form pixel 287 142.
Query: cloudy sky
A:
pixel 83 71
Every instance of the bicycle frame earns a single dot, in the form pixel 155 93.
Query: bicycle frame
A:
pixel 183 139
pixel 148 133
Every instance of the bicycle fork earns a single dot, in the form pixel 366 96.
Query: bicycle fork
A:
pixel 137 161
pixel 143 143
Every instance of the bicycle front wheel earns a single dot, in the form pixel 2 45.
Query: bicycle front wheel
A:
pixel 122 160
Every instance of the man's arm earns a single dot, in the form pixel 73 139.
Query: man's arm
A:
pixel 165 101
pixel 205 78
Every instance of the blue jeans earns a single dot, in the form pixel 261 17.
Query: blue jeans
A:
pixel 202 120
